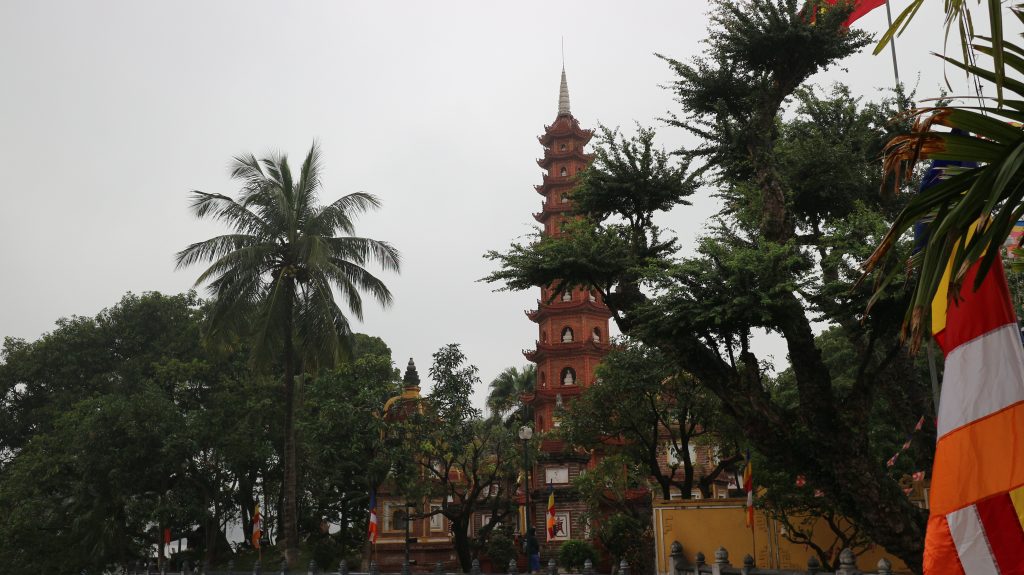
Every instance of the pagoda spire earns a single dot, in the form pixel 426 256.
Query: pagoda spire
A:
pixel 563 96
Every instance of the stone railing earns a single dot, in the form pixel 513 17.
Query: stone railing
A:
pixel 721 565
pixel 313 569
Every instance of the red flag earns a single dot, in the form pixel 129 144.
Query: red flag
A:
pixel 552 525
pixel 257 527
pixel 167 536
pixel 860 8
pixel 371 528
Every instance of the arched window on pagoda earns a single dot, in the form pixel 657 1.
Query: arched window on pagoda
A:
pixel 562 147
pixel 567 295
pixel 567 335
pixel 564 198
pixel 568 376
pixel 596 336
pixel 543 337
pixel 543 379
pixel 562 226
pixel 563 172
pixel 591 296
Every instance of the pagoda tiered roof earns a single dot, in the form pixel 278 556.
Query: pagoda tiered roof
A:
pixel 582 347
pixel 565 126
pixel 545 212
pixel 552 155
pixel 585 305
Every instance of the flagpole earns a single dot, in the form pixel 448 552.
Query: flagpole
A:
pixel 892 46
pixel 934 377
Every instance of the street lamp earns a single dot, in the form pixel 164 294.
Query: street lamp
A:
pixel 526 434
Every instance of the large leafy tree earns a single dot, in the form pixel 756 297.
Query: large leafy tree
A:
pixel 273 280
pixel 467 462
pixel 120 424
pixel 641 408
pixel 780 256
pixel 343 450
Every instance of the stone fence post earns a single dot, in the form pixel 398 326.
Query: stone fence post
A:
pixel 677 565
pixel 847 563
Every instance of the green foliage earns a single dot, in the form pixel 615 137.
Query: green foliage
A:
pixel 621 166
pixel 343 452
pixel 504 391
pixel 500 549
pixel 761 51
pixel 445 450
pixel 82 494
pixel 573 554
pixel 641 398
pixel 327 552
pixel 120 425
pixel 630 538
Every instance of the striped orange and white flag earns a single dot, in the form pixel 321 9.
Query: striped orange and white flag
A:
pixel 977 498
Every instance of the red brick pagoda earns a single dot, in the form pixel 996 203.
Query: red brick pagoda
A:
pixel 573 335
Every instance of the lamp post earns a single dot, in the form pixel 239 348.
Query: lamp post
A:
pixel 526 433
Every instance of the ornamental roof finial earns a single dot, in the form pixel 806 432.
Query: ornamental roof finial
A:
pixel 563 96
pixel 412 378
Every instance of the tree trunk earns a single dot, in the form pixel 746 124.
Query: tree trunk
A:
pixel 687 486
pixel 289 510
pixel 460 530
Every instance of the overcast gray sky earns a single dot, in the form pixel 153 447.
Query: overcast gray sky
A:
pixel 112 111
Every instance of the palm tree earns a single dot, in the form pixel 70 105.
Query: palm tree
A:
pixel 272 279
pixel 505 390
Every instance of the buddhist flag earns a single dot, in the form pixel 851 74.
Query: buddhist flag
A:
pixel 860 8
pixel 551 512
pixel 977 499
pixel 257 527
pixel 371 528
pixel 748 486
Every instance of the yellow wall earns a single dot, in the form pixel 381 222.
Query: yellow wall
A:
pixel 707 524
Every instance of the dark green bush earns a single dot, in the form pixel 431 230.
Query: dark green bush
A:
pixel 572 554
pixel 500 549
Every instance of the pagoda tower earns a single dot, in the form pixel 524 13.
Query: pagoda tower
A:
pixel 573 335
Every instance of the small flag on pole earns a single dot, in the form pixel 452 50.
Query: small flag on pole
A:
pixel 551 511
pixel 257 527
pixel 748 486
pixel 371 529
pixel 167 536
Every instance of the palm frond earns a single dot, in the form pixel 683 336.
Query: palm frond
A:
pixel 339 215
pixel 213 248
pixel 366 250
